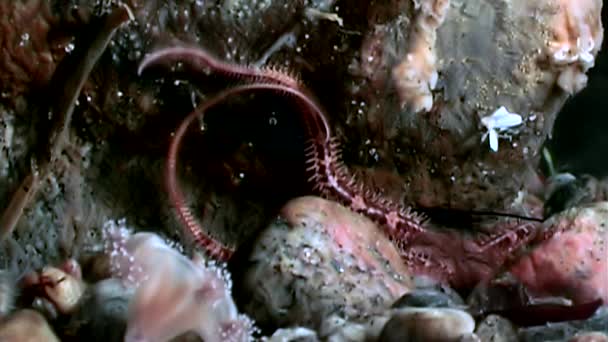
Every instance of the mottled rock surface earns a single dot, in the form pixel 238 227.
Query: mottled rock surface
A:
pixel 574 262
pixel 319 258
pixel 496 329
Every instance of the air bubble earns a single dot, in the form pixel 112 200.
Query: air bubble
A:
pixel 24 39
pixel 374 154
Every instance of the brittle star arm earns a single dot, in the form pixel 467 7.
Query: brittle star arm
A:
pixel 213 247
pixel 329 175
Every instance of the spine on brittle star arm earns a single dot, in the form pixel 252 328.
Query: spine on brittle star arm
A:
pixel 332 179
pixel 213 247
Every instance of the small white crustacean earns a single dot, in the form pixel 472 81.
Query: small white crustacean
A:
pixel 499 121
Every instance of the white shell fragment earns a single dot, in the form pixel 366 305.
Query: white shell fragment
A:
pixel 500 120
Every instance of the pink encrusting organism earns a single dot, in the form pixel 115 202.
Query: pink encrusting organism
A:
pixel 576 36
pixel 416 76
pixel 173 294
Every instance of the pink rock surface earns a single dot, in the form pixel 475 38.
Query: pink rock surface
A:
pixel 574 262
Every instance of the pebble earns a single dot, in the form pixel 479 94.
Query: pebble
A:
pixel 26 326
pixel 7 293
pixel 437 296
pixel 66 291
pixel 494 328
pixel 590 337
pixel 428 325
pixel 297 334
pixel 103 313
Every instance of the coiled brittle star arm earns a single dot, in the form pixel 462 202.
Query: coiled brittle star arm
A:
pixel 330 176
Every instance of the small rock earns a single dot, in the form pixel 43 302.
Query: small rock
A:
pixel 428 325
pixel 496 329
pixel 293 335
pixel 437 296
pixel 27 326
pixel 7 293
pixel 590 337
pixel 317 259
pixel 63 289
pixel 103 313
pixel 55 290
pixel 336 329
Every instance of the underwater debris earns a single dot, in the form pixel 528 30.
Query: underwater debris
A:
pixel 64 290
pixel 496 328
pixel 499 121
pixel 428 324
pixel 8 293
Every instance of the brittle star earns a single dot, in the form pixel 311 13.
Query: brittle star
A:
pixel 446 256
pixel 330 176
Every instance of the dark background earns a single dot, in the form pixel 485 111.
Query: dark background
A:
pixel 580 137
